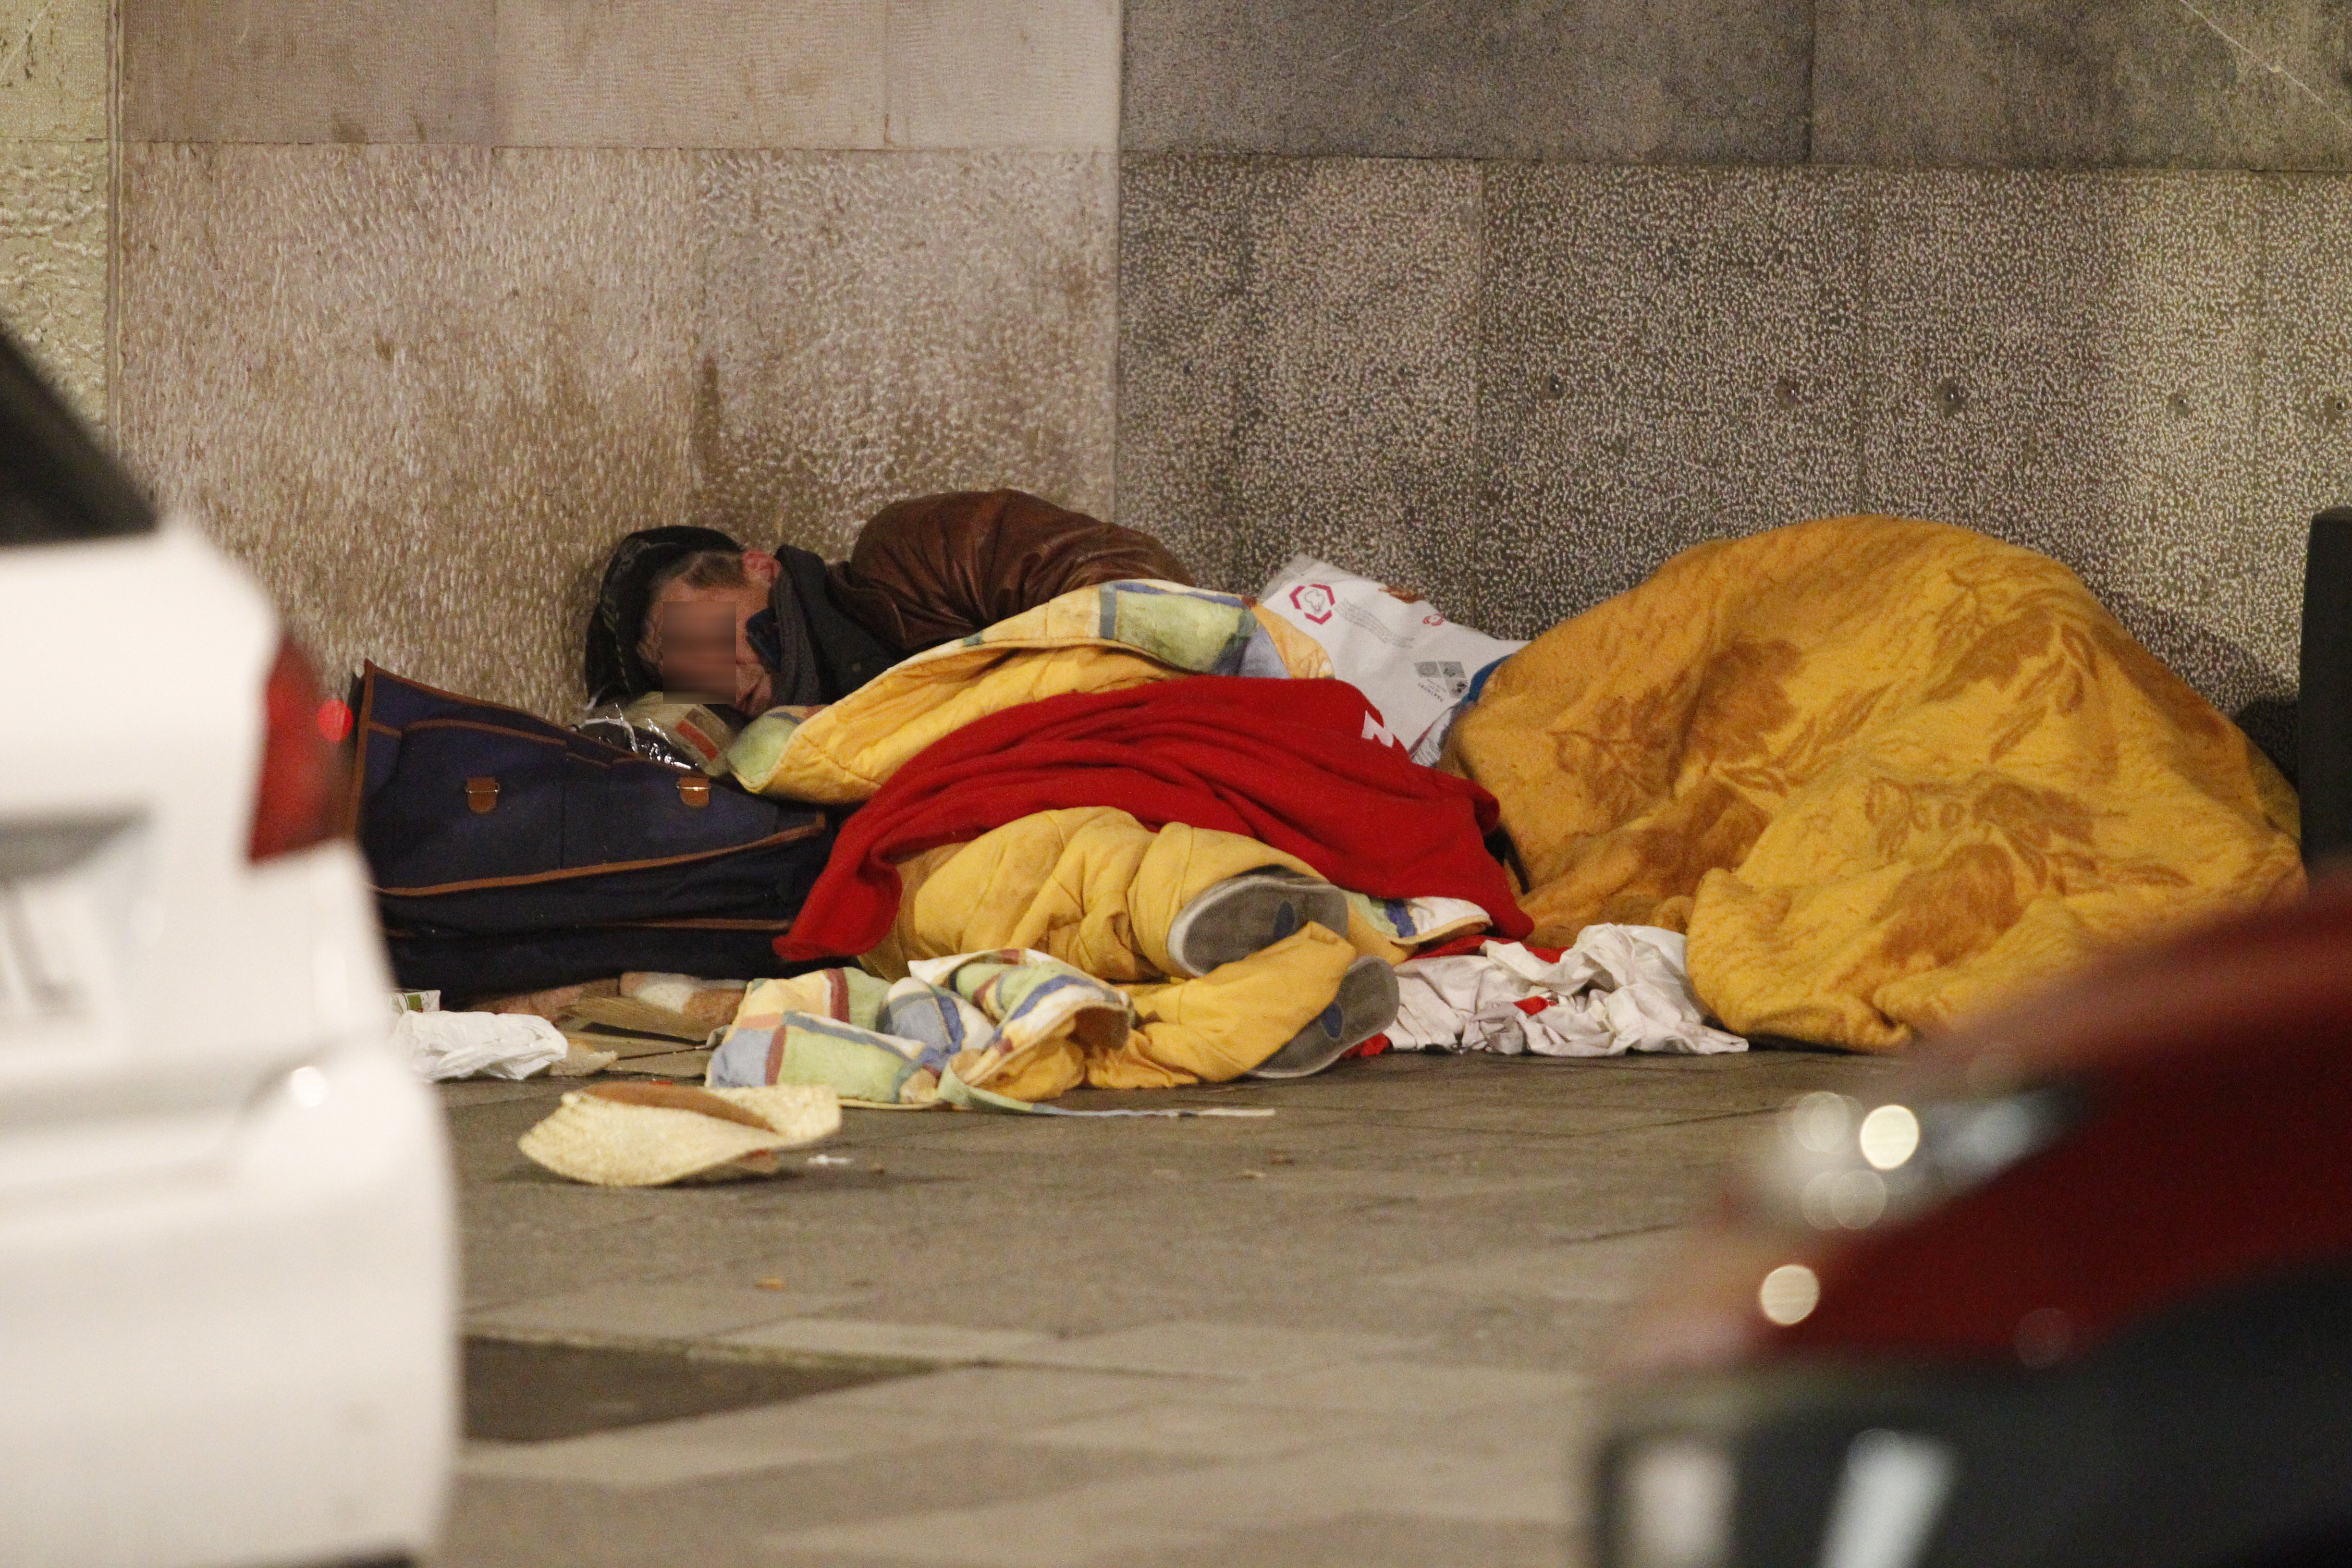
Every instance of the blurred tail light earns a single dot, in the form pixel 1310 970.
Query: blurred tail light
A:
pixel 300 800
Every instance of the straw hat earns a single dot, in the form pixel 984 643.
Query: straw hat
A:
pixel 650 1134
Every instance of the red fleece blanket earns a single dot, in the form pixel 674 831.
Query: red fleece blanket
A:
pixel 1283 762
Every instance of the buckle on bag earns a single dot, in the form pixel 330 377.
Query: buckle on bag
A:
pixel 694 791
pixel 482 796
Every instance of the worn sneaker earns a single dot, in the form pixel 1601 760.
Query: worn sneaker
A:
pixel 1250 913
pixel 1366 1005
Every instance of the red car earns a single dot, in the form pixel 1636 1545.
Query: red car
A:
pixel 2079 1294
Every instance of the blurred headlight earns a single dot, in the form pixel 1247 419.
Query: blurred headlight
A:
pixel 1841 1164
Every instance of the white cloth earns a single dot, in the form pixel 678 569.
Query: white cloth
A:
pixel 1621 988
pixel 1411 664
pixel 492 1044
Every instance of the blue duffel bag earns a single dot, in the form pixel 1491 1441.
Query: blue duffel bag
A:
pixel 510 854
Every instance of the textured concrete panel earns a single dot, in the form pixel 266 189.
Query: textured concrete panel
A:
pixel 2306 374
pixel 2073 362
pixel 53 239
pixel 53 70
pixel 414 389
pixel 690 73
pixel 2070 362
pixel 421 391
pixel 835 74
pixel 1514 387
pixel 2222 84
pixel 1666 357
pixel 1298 365
pixel 1599 81
pixel 1004 73
pixel 306 70
pixel 2306 393
pixel 877 326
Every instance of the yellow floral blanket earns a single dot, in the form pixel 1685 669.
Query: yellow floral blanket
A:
pixel 1103 638
pixel 1882 772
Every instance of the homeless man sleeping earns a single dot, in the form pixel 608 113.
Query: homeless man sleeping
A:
pixel 1230 946
pixel 1875 772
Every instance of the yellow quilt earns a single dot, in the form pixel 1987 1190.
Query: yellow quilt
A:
pixel 1103 638
pixel 1882 772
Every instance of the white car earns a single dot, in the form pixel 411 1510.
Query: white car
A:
pixel 227 1266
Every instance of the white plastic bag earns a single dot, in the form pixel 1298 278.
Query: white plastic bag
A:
pixel 491 1044
pixel 1411 663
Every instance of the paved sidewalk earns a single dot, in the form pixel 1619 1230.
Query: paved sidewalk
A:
pixel 1357 1333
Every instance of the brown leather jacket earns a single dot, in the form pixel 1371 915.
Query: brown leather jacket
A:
pixel 936 568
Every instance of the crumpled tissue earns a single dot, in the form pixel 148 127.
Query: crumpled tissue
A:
pixel 467 1045
pixel 1621 988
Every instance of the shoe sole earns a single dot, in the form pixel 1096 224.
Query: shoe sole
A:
pixel 1366 1005
pixel 1249 913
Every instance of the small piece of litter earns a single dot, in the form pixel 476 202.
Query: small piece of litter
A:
pixel 829 1159
pixel 878 1169
pixel 1281 1160
pixel 1254 1175
pixel 772 1282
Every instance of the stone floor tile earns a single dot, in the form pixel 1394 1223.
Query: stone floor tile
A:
pixel 1357 1540
pixel 1050 1533
pixel 1554 1121
pixel 1215 1350
pixel 997 1136
pixel 1430 1183
pixel 629 1309
pixel 1562 1426
pixel 1008 1398
pixel 919 1342
pixel 464 1093
pixel 1209 1431
pixel 1610 1269
pixel 738 1442
pixel 1525 1486
pixel 718 1522
pixel 1398 1387
pixel 1116 1520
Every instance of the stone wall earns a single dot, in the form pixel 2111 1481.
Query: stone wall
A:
pixel 422 303
pixel 54 189
pixel 419 303
pixel 1510 301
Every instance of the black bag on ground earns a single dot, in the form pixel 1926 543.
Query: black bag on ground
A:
pixel 509 854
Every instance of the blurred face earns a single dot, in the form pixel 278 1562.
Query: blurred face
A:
pixel 694 639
